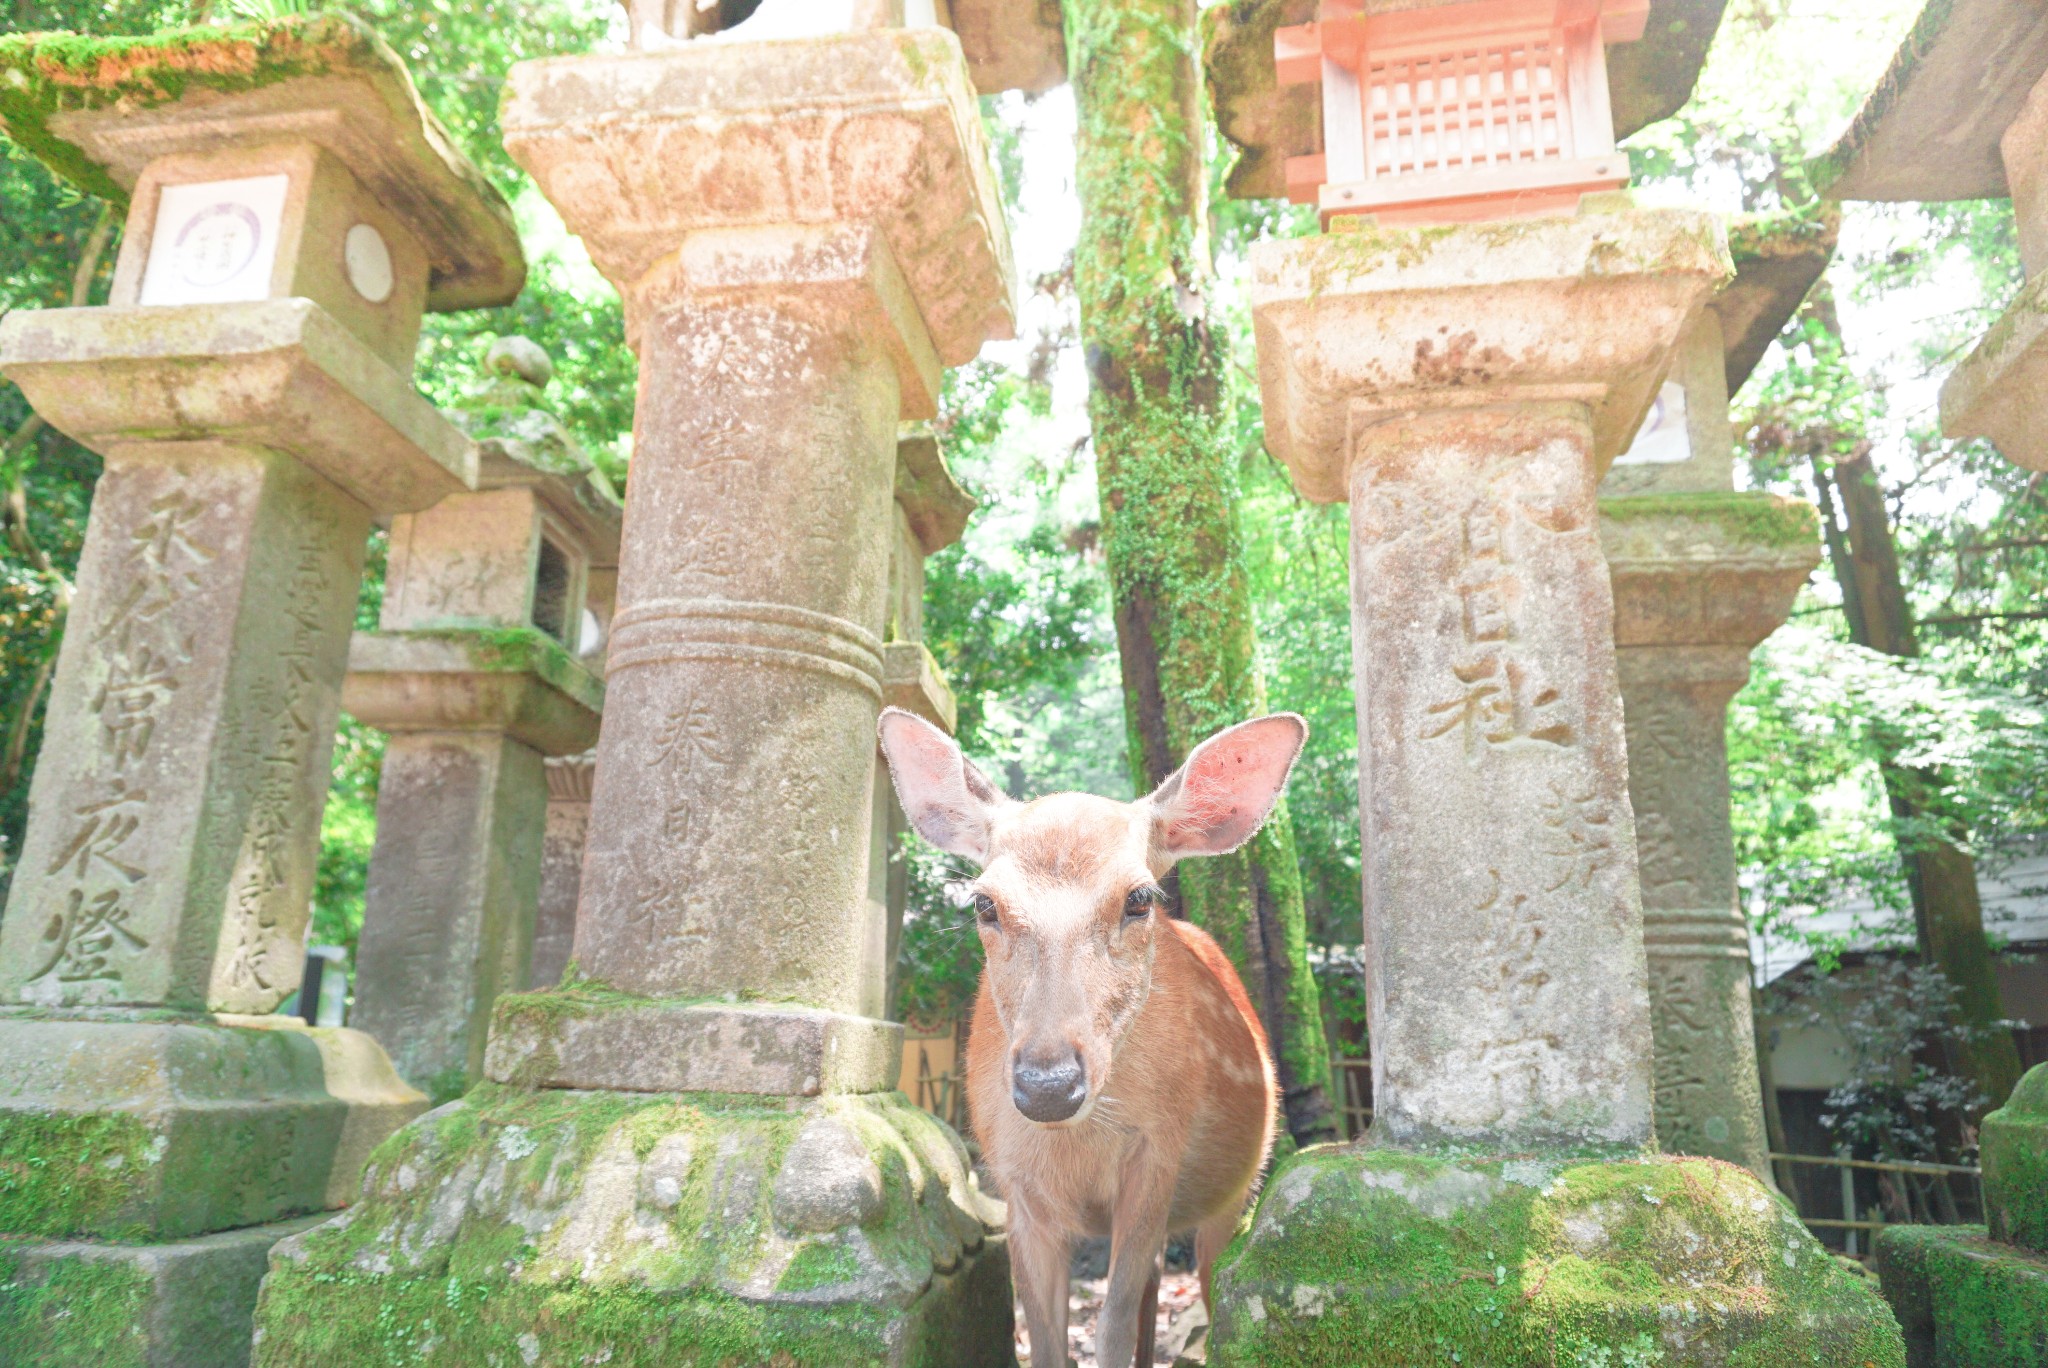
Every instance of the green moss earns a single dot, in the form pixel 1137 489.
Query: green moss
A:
pixel 1966 1301
pixel 519 650
pixel 512 1225
pixel 2014 1143
pixel 1830 166
pixel 44 74
pixel 1756 238
pixel 1749 520
pixel 1374 1257
pixel 73 1311
pixel 64 1174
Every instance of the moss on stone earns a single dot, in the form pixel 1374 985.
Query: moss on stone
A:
pixel 1745 519
pixel 627 1229
pixel 68 1173
pixel 1370 1257
pixel 45 74
pixel 2014 1144
pixel 73 1311
pixel 519 650
pixel 1966 1301
pixel 1832 165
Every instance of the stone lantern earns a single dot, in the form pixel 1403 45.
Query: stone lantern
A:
pixel 1280 126
pixel 1008 44
pixel 1701 575
pixel 1438 112
pixel 474 674
pixel 1962 114
pixel 700 1133
pixel 931 512
pixel 292 210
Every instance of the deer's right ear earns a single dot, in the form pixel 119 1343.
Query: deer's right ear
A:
pixel 946 798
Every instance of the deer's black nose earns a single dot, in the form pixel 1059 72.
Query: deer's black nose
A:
pixel 1048 1089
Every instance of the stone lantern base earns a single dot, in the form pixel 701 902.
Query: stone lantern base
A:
pixel 570 1227
pixel 1371 1257
pixel 1964 1299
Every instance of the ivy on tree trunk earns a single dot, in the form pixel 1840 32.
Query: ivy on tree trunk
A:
pixel 1170 530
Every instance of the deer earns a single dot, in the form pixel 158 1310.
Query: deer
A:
pixel 1118 1079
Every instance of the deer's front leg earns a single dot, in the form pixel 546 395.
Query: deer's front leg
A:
pixel 1136 1242
pixel 1040 1257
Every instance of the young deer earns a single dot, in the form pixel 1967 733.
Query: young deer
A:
pixel 1117 1076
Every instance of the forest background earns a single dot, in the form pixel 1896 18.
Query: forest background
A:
pixel 1019 616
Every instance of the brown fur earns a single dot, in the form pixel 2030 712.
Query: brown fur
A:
pixel 1170 1116
pixel 1179 1132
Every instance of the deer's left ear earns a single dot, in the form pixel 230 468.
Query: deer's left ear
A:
pixel 1218 800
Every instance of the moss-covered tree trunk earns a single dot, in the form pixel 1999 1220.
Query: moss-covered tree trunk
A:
pixel 1182 605
pixel 1941 876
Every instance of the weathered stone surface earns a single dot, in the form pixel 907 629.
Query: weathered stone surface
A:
pixel 181 1304
pixel 100 113
pixel 1701 434
pixel 1011 44
pixel 174 820
pixel 1931 128
pixel 1778 259
pixel 652 1229
pixel 279 375
pixel 640 152
pixel 1357 327
pixel 1963 1300
pixel 569 780
pixel 2014 1145
pixel 1370 1257
pixel 1462 387
pixel 576 1037
pixel 1699 579
pixel 513 681
pixel 124 1129
pixel 1996 392
pixel 912 681
pixel 935 507
pixel 448 911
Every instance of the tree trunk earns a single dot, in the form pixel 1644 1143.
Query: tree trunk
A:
pixel 1940 874
pixel 1171 537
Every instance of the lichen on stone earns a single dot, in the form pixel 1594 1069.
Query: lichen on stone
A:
pixel 1534 1262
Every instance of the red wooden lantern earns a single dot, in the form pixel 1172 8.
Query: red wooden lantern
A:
pixel 1438 112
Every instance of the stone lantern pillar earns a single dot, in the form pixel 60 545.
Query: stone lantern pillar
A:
pixel 1701 575
pixel 931 512
pixel 1463 389
pixel 474 676
pixel 700 1136
pixel 292 211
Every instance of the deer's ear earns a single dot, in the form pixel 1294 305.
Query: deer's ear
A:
pixel 1218 800
pixel 946 798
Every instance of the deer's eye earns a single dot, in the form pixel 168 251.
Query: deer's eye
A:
pixel 1140 901
pixel 984 909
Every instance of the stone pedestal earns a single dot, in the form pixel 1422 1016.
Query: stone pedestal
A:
pixel 1465 389
pixel 804 233
pixel 473 674
pixel 249 387
pixel 1972 1296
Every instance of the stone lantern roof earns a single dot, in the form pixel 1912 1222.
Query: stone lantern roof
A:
pixel 1268 122
pixel 933 501
pixel 1778 257
pixel 1930 131
pixel 97 111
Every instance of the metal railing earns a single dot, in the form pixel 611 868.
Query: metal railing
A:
pixel 1906 1194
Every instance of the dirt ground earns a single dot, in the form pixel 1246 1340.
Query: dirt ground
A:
pixel 1180 1318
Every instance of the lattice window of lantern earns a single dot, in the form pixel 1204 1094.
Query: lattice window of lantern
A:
pixel 1466 110
pixel 1437 112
